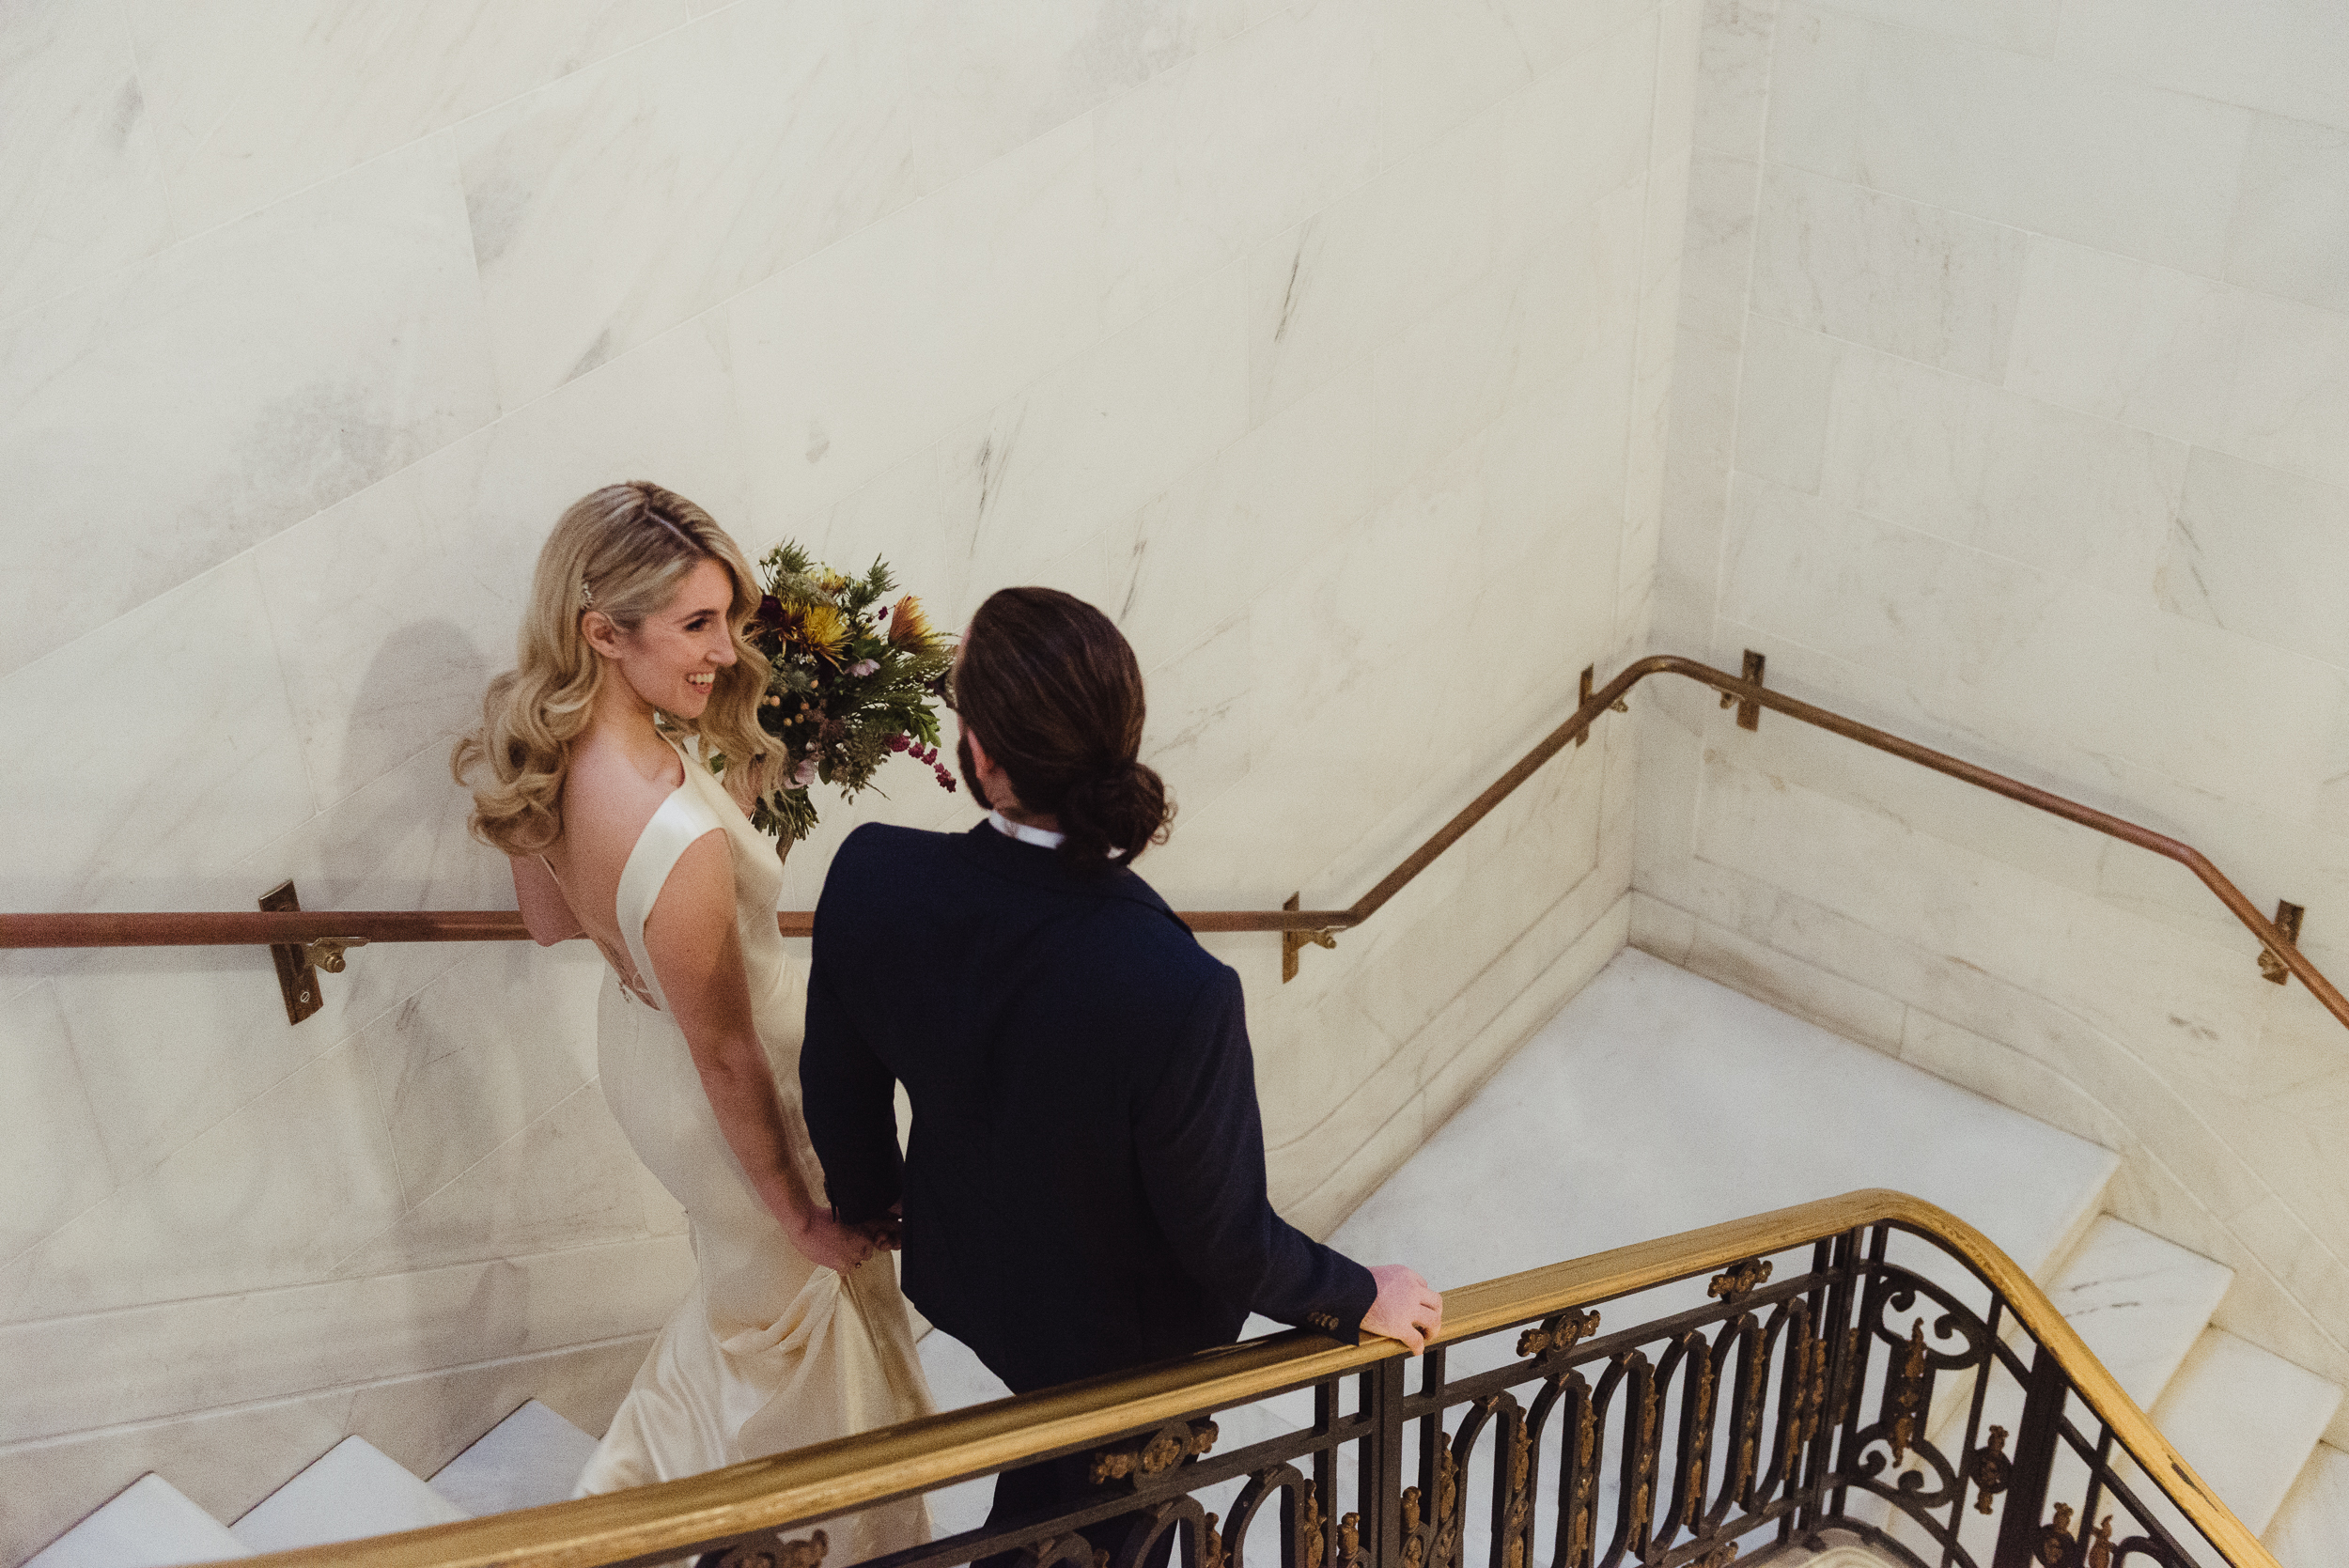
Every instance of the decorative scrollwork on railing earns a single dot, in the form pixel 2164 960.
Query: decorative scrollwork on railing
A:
pixel 1165 1448
pixel 1739 1281
pixel 773 1551
pixel 1558 1334
pixel 1990 1470
pixel 1071 1548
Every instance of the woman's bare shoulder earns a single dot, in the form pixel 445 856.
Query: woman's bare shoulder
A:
pixel 607 800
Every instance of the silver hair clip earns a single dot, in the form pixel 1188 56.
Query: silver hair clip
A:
pixel 586 595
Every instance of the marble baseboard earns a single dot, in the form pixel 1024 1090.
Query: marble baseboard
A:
pixel 229 1459
pixel 150 1363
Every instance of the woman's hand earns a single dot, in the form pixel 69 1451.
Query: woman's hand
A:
pixel 822 1240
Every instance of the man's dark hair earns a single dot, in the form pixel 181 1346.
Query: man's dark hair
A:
pixel 1052 691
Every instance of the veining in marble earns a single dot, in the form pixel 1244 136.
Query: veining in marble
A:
pixel 174 414
pixel 253 100
pixel 2139 1302
pixel 78 177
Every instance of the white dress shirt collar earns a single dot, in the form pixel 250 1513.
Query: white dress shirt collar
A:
pixel 1043 838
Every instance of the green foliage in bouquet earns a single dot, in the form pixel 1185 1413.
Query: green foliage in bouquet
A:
pixel 854 682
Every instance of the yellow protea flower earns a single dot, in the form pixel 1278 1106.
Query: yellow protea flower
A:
pixel 824 630
pixel 907 627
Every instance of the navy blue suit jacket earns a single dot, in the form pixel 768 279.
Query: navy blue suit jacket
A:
pixel 1084 1179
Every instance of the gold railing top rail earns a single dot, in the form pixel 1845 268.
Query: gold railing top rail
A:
pixel 809 1485
pixel 239 928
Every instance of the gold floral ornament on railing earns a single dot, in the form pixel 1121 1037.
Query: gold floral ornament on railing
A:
pixel 852 682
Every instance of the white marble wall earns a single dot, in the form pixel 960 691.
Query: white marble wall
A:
pixel 2012 412
pixel 1326 343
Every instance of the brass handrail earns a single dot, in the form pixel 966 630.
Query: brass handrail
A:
pixel 237 928
pixel 810 1485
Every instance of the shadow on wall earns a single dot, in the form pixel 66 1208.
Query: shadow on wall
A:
pixel 394 833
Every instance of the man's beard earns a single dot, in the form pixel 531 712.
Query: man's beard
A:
pixel 970 772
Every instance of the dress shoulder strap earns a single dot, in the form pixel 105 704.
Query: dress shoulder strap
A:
pixel 683 817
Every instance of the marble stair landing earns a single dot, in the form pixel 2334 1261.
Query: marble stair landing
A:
pixel 1657 1101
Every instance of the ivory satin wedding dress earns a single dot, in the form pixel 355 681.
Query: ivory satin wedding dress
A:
pixel 770 1351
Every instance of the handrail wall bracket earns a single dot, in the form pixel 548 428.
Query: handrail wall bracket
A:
pixel 1295 942
pixel 2272 966
pixel 297 970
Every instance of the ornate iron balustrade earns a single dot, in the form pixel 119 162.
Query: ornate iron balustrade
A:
pixel 1833 1372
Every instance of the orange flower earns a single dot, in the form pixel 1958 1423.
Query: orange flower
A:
pixel 907 627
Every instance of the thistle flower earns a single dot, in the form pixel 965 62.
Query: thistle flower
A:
pixel 909 628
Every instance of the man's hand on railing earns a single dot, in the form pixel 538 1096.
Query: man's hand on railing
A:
pixel 1408 1309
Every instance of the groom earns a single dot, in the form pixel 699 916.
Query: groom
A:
pixel 1084 1187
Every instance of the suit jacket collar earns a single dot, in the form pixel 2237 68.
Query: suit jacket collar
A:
pixel 1038 867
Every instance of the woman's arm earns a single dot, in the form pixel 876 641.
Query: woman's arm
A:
pixel 697 958
pixel 546 913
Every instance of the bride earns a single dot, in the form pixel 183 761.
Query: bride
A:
pixel 630 650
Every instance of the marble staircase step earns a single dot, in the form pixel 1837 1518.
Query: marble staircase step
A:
pixel 533 1457
pixel 148 1524
pixel 353 1489
pixel 2311 1528
pixel 2246 1421
pixel 2140 1302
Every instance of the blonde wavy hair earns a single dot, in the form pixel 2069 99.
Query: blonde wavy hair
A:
pixel 624 549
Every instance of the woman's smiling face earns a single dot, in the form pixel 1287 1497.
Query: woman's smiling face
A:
pixel 672 660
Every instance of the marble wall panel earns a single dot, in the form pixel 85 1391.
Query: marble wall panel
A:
pixel 2290 406
pixel 2026 26
pixel 2079 498
pixel 252 101
pixel 2146 346
pixel 1198 730
pixel 726 150
pixel 174 414
pixel 274 1193
pixel 2013 138
pixel 1275 497
pixel 396 606
pixel 2287 56
pixel 54 1163
pixel 79 175
pixel 1732 75
pixel 465 1064
pixel 2262 553
pixel 1213 158
pixel 1369 265
pixel 2050 669
pixel 1782 438
pixel 1442 62
pixel 147 1362
pixel 1571 310
pixel 567 1179
pixel 1920 282
pixel 167 749
pixel 2291 221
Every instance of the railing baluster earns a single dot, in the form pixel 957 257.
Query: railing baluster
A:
pixel 2034 1461
pixel 1378 1474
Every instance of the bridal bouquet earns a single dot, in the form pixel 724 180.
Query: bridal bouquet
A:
pixel 854 682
